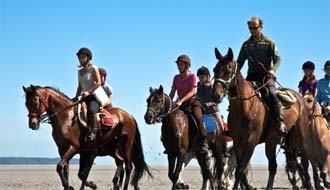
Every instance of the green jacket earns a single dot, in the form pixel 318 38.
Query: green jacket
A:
pixel 263 51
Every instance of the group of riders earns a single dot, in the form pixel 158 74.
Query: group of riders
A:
pixel 263 60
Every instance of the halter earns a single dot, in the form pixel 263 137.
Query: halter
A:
pixel 162 114
pixel 45 117
pixel 41 117
pixel 227 82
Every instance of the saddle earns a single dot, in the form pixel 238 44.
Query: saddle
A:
pixel 284 95
pixel 209 123
pixel 105 119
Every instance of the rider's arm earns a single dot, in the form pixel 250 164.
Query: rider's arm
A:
pixel 276 57
pixel 172 93
pixel 241 57
pixel 78 93
pixel 190 94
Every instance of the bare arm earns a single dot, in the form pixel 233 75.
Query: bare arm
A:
pixel 172 93
pixel 190 94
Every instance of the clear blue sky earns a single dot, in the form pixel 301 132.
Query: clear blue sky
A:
pixel 138 42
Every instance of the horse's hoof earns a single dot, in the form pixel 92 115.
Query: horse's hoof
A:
pixel 69 188
pixel 181 186
pixel 91 184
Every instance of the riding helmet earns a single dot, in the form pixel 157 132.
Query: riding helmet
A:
pixel 308 65
pixel 85 51
pixel 327 64
pixel 184 58
pixel 203 71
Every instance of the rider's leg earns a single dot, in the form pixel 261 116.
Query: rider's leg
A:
pixel 277 107
pixel 198 114
pixel 93 108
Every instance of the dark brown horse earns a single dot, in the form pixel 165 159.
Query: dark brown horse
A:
pixel 69 136
pixel 249 121
pixel 179 138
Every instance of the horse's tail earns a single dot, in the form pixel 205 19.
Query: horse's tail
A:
pixel 140 166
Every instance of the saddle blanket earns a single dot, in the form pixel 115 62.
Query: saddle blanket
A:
pixel 210 125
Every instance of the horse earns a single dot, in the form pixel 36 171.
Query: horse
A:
pixel 179 138
pixel 249 121
pixel 49 103
pixel 318 141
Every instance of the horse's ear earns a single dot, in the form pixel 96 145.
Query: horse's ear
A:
pixel 217 54
pixel 151 89
pixel 25 89
pixel 161 90
pixel 230 54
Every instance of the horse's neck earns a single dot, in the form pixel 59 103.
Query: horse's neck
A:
pixel 168 104
pixel 242 95
pixel 57 102
pixel 239 86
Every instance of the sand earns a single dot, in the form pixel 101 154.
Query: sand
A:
pixel 32 177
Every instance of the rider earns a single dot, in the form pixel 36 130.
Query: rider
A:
pixel 308 83
pixel 260 51
pixel 185 84
pixel 107 88
pixel 204 93
pixel 89 80
pixel 323 90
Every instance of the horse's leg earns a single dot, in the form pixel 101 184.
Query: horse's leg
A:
pixel 270 148
pixel 128 170
pixel 303 172
pixel 206 173
pixel 180 184
pixel 244 158
pixel 118 174
pixel 171 164
pixel 63 167
pixel 179 165
pixel 85 164
pixel 316 178
pixel 325 171
pixel 245 183
pixel 217 150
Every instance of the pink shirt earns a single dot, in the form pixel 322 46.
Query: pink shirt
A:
pixel 183 85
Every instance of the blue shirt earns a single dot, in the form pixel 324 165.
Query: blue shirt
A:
pixel 323 91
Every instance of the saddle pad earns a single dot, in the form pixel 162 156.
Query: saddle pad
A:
pixel 210 125
pixel 106 118
pixel 286 97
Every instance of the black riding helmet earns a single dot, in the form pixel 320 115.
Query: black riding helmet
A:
pixel 308 65
pixel 203 71
pixel 327 64
pixel 85 51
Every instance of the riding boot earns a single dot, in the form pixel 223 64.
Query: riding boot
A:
pixel 279 118
pixel 202 141
pixel 93 129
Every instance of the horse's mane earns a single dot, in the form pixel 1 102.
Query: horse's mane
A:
pixel 32 89
pixel 58 91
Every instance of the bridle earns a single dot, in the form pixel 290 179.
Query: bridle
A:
pixel 227 83
pixel 43 117
pixel 161 115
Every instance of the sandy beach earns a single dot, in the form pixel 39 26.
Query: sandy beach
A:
pixel 32 177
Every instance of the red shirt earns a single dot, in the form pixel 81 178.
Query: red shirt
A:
pixel 183 85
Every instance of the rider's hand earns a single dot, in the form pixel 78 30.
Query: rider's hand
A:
pixel 327 109
pixel 178 103
pixel 74 99
pixel 85 93
pixel 271 72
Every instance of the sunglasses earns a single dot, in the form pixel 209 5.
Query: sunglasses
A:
pixel 253 27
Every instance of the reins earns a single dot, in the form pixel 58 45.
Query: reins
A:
pixel 45 118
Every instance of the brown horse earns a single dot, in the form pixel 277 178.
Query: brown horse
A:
pixel 69 136
pixel 317 138
pixel 249 121
pixel 179 138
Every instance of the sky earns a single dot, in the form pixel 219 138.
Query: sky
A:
pixel 137 42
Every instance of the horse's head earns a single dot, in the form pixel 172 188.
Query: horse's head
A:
pixel 224 71
pixel 309 101
pixel 36 103
pixel 155 105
